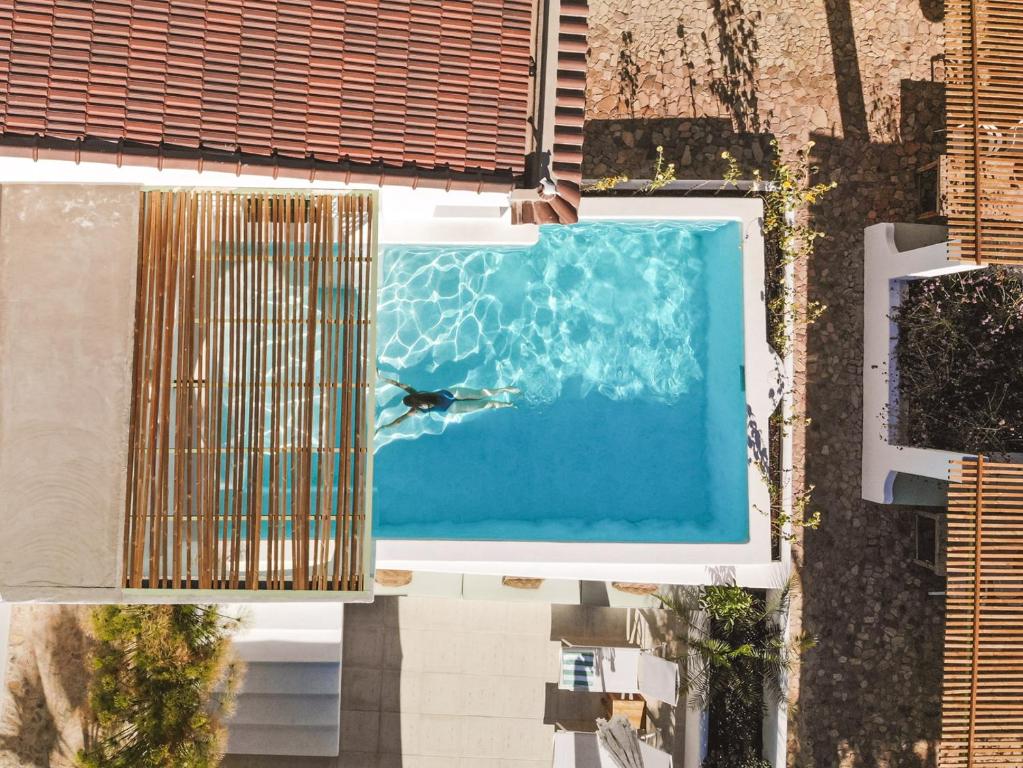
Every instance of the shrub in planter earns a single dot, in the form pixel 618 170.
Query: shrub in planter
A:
pixel 735 666
pixel 960 360
pixel 152 695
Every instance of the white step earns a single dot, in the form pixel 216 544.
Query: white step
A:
pixel 323 678
pixel 298 741
pixel 273 710
pixel 288 645
pixel 288 615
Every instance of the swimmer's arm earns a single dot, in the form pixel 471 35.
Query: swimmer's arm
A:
pixel 398 420
pixel 406 387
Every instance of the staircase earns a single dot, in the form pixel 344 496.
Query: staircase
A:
pixel 289 702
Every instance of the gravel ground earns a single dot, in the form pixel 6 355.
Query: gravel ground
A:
pixel 861 80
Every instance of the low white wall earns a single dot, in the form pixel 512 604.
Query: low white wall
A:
pixel 406 216
pixel 885 270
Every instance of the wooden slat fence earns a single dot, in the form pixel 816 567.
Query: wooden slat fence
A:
pixel 982 705
pixel 983 174
pixel 249 442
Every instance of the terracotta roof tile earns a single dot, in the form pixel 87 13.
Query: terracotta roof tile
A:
pixel 436 86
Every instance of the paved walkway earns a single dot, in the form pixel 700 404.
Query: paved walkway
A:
pixel 857 78
pixel 438 683
pixel 435 683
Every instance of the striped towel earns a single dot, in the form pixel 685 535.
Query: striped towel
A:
pixel 579 670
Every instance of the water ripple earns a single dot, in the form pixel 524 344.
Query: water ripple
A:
pixel 602 306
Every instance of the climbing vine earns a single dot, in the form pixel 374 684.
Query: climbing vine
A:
pixel 787 195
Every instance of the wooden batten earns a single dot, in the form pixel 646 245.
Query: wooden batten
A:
pixel 983 179
pixel 249 446
pixel 982 703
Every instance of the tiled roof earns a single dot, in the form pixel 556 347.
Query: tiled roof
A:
pixel 423 89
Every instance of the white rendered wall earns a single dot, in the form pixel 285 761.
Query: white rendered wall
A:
pixel 407 216
pixel 885 269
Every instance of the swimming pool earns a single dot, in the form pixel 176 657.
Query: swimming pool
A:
pixel 626 341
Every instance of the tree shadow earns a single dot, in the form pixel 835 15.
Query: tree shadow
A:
pixel 736 86
pixel 687 61
pixel 862 595
pixel 30 731
pixel 933 10
pixel 628 72
pixel 70 647
pixel 41 714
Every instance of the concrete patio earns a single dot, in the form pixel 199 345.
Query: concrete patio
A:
pixel 457 683
pixel 432 683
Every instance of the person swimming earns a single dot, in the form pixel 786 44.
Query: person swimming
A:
pixel 455 400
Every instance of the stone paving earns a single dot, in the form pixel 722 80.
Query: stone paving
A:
pixel 859 79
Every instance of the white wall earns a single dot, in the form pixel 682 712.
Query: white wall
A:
pixel 885 268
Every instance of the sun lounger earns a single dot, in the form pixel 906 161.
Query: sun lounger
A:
pixel 603 669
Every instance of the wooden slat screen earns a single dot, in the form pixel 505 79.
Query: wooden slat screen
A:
pixel 982 705
pixel 249 444
pixel 983 178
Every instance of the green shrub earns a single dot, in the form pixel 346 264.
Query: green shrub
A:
pixel 151 696
pixel 960 361
pixel 735 665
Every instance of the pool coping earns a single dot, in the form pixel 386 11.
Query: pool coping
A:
pixel 748 563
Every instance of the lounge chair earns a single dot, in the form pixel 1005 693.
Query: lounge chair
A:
pixel 602 669
pixel 584 750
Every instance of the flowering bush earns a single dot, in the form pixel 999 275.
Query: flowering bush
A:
pixel 960 359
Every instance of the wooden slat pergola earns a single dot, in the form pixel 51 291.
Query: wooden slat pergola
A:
pixel 982 704
pixel 250 445
pixel 983 172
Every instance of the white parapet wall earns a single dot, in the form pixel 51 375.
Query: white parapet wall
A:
pixel 406 216
pixel 894 254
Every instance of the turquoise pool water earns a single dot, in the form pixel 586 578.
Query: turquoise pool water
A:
pixel 626 343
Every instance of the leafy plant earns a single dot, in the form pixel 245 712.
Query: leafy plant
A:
pixel 787 194
pixel 786 524
pixel 744 637
pixel 735 663
pixel 664 173
pixel 960 360
pixel 730 606
pixel 152 694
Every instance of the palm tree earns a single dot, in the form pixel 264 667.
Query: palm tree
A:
pixel 736 661
pixel 742 636
pixel 153 692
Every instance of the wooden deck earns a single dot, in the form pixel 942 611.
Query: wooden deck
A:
pixel 983 184
pixel 250 444
pixel 982 705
